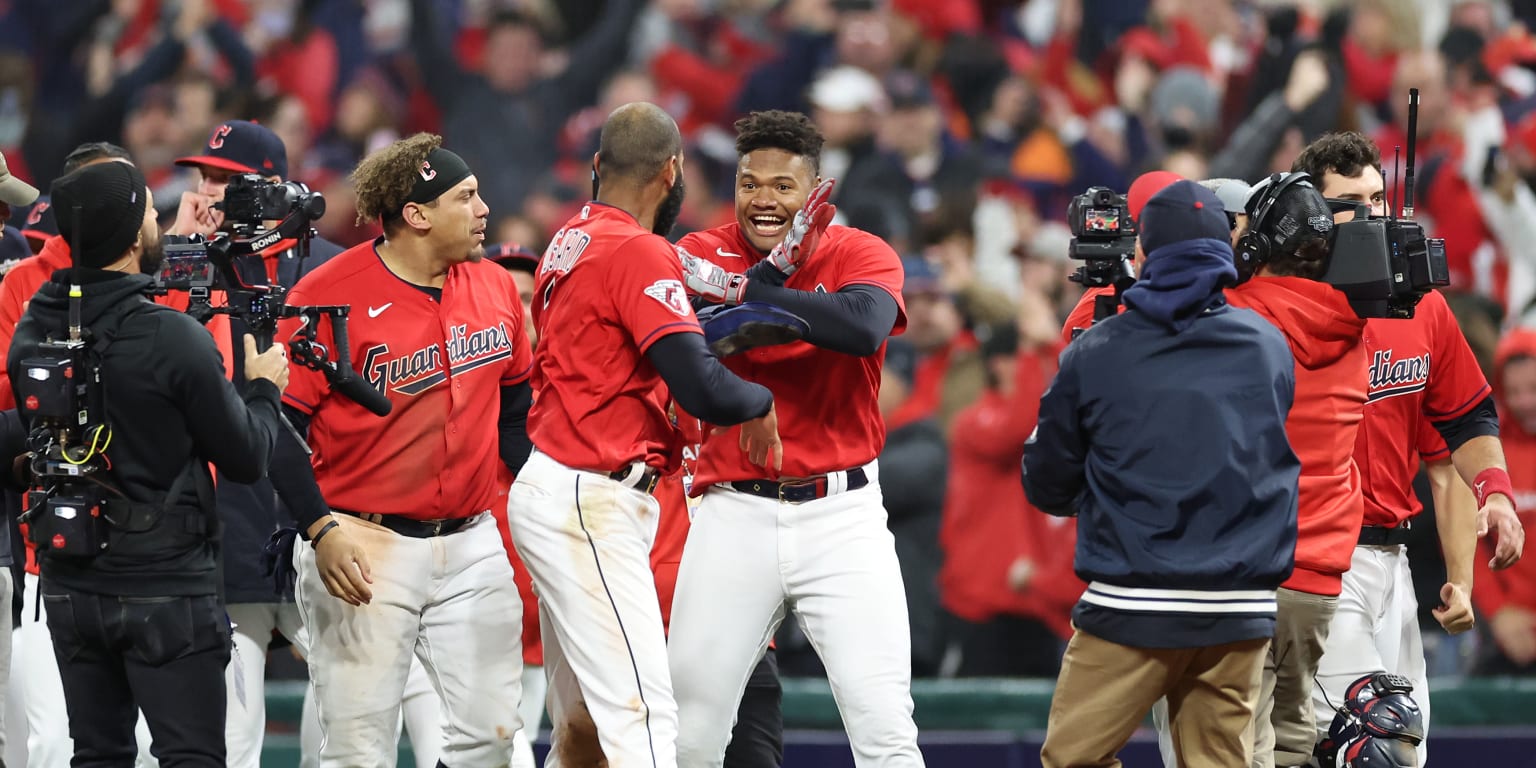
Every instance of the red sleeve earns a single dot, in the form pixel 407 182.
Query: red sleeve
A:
pixel 1081 315
pixel 1456 383
pixel 646 284
pixel 307 388
pixel 868 260
pixel 11 301
pixel 1430 444
pixel 1003 440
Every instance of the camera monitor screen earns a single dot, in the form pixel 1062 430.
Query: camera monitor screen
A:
pixel 1101 220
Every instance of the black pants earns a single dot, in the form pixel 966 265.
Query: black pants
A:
pixel 164 655
pixel 757 741
pixel 1005 646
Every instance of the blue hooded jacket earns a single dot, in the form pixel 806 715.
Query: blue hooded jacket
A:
pixel 1164 432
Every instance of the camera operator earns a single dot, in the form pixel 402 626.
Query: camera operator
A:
pixel 140 622
pixel 1427 399
pixel 250 512
pixel 1169 517
pixel 37 670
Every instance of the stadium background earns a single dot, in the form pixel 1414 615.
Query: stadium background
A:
pixel 958 130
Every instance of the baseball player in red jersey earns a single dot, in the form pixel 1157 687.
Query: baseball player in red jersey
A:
pixel 616 333
pixel 815 542
pixel 1422 379
pixel 405 558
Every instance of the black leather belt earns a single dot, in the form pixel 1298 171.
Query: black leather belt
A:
pixel 416 529
pixel 802 490
pixel 1381 536
pixel 644 482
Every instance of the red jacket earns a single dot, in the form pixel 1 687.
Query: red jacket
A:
pixel 18 287
pixel 988 524
pixel 1492 590
pixel 1331 375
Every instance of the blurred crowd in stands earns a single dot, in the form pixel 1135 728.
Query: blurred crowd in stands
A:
pixel 958 130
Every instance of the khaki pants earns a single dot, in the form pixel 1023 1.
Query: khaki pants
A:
pixel 1105 690
pixel 1285 729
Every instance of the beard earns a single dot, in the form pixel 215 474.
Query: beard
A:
pixel 670 209
pixel 152 256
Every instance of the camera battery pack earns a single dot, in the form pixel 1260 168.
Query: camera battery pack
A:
pixel 67 523
pixel 51 388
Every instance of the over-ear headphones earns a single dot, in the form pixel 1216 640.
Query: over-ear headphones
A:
pixel 1256 247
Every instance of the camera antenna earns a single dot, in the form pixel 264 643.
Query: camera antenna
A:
pixel 75 292
pixel 1413 129
pixel 1392 180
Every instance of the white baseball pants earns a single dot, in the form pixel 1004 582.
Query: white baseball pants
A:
pixel 245 678
pixel 586 540
pixel 450 601
pixel 833 563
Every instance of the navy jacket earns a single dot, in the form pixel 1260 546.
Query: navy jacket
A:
pixel 251 511
pixel 1171 449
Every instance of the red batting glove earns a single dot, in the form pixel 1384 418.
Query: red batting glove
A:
pixel 810 222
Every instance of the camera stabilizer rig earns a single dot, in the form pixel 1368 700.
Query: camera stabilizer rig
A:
pixel 198 266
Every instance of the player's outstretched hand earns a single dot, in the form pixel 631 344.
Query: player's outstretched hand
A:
pixel 805 231
pixel 271 365
pixel 760 439
pixel 1498 515
pixel 711 281
pixel 1455 610
pixel 343 564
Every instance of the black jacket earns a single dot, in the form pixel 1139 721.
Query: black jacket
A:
pixel 169 406
pixel 251 511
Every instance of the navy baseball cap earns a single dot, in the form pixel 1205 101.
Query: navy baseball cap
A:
pixel 921 277
pixel 240 146
pixel 513 256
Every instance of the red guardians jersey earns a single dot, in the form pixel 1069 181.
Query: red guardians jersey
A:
pixel 440 363
pixel 1421 371
pixel 606 290
pixel 828 416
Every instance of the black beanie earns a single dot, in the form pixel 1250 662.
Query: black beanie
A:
pixel 112 198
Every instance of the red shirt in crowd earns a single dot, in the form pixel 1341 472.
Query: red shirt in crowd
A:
pixel 988 524
pixel 1516 586
pixel 829 419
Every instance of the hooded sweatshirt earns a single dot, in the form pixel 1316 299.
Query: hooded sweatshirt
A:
pixel 170 407
pixel 1331 369
pixel 1164 432
pixel 1516 586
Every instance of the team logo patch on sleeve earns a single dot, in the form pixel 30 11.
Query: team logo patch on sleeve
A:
pixel 670 294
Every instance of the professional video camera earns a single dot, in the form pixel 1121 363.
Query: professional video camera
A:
pixel 1104 237
pixel 61 390
pixel 1385 265
pixel 199 266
